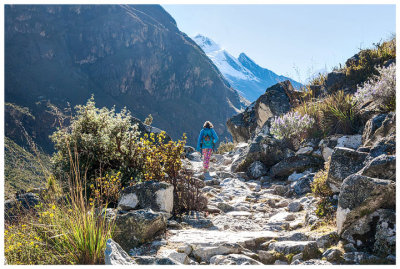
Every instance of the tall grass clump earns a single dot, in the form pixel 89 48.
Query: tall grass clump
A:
pixel 69 230
pixel 381 88
pixel 334 114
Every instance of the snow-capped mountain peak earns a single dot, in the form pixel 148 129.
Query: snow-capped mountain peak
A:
pixel 250 79
pixel 206 44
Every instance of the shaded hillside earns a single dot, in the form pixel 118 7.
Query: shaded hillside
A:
pixel 133 56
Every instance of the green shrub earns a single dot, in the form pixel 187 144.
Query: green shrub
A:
pixel 322 191
pixel 102 141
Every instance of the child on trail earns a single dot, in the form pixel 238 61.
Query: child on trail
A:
pixel 206 143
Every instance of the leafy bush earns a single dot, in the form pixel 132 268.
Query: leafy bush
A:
pixel 381 88
pixel 102 141
pixel 335 114
pixel 291 126
pixel 105 142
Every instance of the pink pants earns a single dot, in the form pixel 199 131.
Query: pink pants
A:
pixel 206 157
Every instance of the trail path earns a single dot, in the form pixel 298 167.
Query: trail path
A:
pixel 243 217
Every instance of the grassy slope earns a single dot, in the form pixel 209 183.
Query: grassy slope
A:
pixel 22 169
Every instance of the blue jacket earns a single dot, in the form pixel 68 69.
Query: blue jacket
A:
pixel 214 137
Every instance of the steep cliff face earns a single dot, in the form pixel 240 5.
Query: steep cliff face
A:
pixel 133 56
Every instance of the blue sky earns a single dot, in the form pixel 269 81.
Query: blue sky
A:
pixel 291 40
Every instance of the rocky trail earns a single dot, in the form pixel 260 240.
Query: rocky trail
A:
pixel 246 222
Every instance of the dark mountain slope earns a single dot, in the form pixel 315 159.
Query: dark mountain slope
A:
pixel 133 56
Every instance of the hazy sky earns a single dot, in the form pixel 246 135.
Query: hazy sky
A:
pixel 291 40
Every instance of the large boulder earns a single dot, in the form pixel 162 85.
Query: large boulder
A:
pixel 263 148
pixel 138 226
pixel 115 255
pixel 275 101
pixel 385 145
pixel 150 194
pixel 344 162
pixel 328 144
pixel 375 232
pixel 383 166
pixel 360 196
pixel 297 163
pixel 377 127
pixel 303 185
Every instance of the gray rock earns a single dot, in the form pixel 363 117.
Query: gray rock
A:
pixel 305 151
pixel 149 260
pixel 115 255
pixel 194 156
pixel 275 101
pixel 225 207
pixel 266 257
pixel 257 169
pixel 173 224
pixel 349 247
pixel 360 258
pixel 298 163
pixel 265 149
pixel 333 255
pixel 315 262
pixel 349 141
pixel 188 149
pixel 136 227
pixel 303 185
pixel 334 80
pixel 233 259
pixel 197 220
pixel 295 206
pixel 308 248
pixel 327 240
pixel 361 195
pixel 375 231
pixel 344 162
pixel 379 126
pixel 280 190
pixel 279 262
pixel 204 253
pixel 383 166
pixel 179 257
pixel 385 145
pixel 150 194
pixel 187 249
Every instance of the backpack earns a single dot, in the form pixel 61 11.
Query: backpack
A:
pixel 208 139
